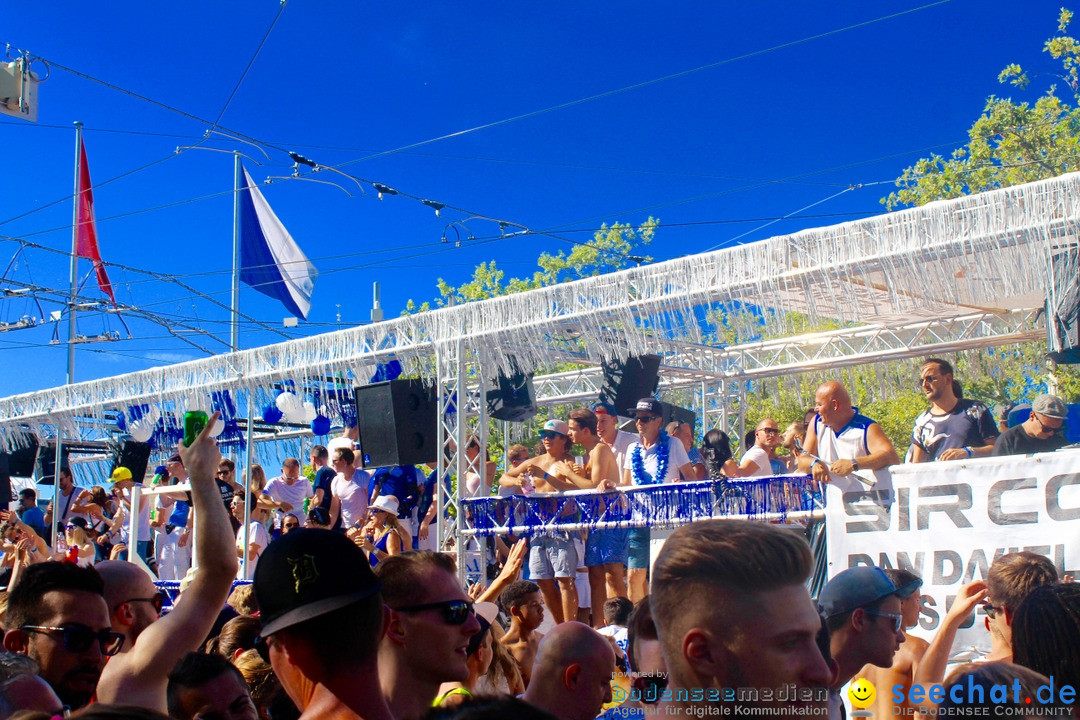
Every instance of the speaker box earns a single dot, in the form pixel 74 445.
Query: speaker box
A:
pixel 47 462
pixel 20 462
pixel 397 423
pixel 512 398
pixel 674 412
pixel 627 382
pixel 134 456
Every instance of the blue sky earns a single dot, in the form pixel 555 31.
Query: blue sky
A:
pixel 792 109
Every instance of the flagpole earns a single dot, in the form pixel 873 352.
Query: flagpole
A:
pixel 246 528
pixel 236 254
pixel 71 323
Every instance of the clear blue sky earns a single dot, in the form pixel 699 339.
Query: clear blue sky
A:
pixel 341 81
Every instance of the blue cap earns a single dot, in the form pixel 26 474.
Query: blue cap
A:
pixel 854 588
pixel 605 408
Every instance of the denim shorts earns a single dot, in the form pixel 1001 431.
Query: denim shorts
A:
pixel 607 546
pixel 639 549
pixel 552 555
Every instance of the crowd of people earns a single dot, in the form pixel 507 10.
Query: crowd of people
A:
pixel 327 597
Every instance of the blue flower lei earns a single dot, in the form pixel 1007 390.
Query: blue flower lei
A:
pixel 637 462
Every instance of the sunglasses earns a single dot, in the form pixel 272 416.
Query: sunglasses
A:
pixel 898 620
pixel 650 687
pixel 646 418
pixel 79 638
pixel 769 431
pixel 931 379
pixel 291 526
pixel 1046 428
pixel 455 612
pixel 548 435
pixel 70 527
pixel 992 610
pixel 158 601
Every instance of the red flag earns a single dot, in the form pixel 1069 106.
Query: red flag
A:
pixel 86 245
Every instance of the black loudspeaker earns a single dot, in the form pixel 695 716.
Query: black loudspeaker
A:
pixel 627 382
pixel 47 462
pixel 1063 311
pixel 397 423
pixel 674 412
pixel 134 456
pixel 20 462
pixel 512 398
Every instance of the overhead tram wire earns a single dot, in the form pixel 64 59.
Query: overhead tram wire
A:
pixel 247 68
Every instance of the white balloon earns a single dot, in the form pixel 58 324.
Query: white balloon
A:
pixel 287 401
pixel 309 411
pixel 141 430
pixel 296 415
pixel 340 442
pixel 217 428
pixel 153 415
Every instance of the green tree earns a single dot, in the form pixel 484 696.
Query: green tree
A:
pixel 612 248
pixel 1011 142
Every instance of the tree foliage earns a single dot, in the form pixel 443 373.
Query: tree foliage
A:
pixel 612 248
pixel 1011 142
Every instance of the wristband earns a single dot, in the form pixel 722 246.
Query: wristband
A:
pixel 969 451
pixel 816 461
pixel 855 465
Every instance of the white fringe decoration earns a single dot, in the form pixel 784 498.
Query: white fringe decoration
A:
pixel 991 250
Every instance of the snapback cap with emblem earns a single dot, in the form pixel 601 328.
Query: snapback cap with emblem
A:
pixel 307 573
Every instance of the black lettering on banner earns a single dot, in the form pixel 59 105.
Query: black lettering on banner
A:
pixel 954 510
pixel 873 504
pixel 928 615
pixel 903 509
pixel 1053 497
pixel 997 515
pixel 955 572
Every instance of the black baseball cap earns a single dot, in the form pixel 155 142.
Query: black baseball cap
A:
pixel 307 573
pixel 648 406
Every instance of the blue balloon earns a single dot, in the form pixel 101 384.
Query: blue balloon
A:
pixel 271 414
pixel 320 425
pixel 121 422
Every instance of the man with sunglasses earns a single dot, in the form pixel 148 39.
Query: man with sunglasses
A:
pixel 1041 432
pixel 861 608
pixel 953 427
pixel 553 555
pixel 757 461
pixel 57 615
pixel 139 674
pixel 428 630
pixel 653 459
pixel 1010 579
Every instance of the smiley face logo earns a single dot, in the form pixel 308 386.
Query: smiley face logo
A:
pixel 861 693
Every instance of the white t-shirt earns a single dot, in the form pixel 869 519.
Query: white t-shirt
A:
pixel 257 536
pixel 677 457
pixel 295 494
pixel 623 441
pixel 760 458
pixel 353 494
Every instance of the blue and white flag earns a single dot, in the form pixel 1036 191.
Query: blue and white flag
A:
pixel 270 260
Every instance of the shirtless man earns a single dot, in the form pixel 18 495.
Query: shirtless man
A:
pixel 605 550
pixel 907 658
pixel 553 558
pixel 522 602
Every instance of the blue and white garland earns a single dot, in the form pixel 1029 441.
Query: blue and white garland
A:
pixel 637 462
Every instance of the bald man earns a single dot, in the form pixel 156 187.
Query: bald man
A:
pixel 139 674
pixel 844 447
pixel 571 677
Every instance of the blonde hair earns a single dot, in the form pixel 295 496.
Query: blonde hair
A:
pixel 256 478
pixel 259 676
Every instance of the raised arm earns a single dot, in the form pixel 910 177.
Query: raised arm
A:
pixel 141 675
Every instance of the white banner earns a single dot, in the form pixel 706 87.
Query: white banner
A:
pixel 950 520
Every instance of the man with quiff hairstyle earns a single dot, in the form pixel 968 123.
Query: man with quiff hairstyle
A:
pixel 732 610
